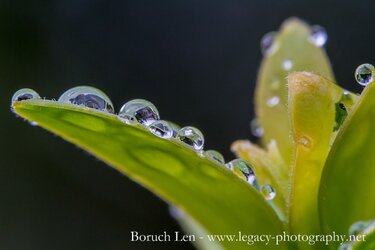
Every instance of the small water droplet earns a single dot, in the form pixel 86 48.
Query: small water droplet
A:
pixel 273 101
pixel 303 140
pixel 267 45
pixel 364 74
pixel 256 129
pixel 215 155
pixel 89 97
pixel 287 64
pixel 25 94
pixel 144 111
pixel 318 36
pixel 191 136
pixel 161 129
pixel 345 246
pixel 268 192
pixel 243 169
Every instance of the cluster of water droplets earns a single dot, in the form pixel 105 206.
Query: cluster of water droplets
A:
pixel 144 113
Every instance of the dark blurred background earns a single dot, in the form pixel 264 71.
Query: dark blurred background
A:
pixel 195 60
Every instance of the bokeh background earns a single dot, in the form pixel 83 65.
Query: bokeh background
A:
pixel 195 60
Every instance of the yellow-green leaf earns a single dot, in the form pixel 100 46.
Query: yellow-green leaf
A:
pixel 209 192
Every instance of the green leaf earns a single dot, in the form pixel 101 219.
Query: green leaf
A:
pixel 290 43
pixel 209 192
pixel 312 110
pixel 347 185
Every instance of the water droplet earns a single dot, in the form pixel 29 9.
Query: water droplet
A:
pixel 256 129
pixel 24 94
pixel 268 192
pixel 267 43
pixel 358 227
pixel 318 35
pixel 161 129
pixel 287 64
pixel 144 111
pixel 191 136
pixel 303 140
pixel 364 74
pixel 273 101
pixel 242 169
pixel 216 156
pixel 89 97
pixel 128 119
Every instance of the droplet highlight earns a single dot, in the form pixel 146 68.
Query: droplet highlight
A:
pixel 89 97
pixel 25 94
pixel 192 137
pixel 215 156
pixel 364 74
pixel 268 192
pixel 243 169
pixel 256 129
pixel 287 64
pixel 318 36
pixel 144 111
pixel 273 101
pixel 161 129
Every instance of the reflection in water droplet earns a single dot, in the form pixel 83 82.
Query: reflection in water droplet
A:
pixel 243 169
pixel 267 45
pixel 89 97
pixel 144 111
pixel 24 94
pixel 192 137
pixel 215 155
pixel 268 192
pixel 340 115
pixel 161 129
pixel 175 127
pixel 287 64
pixel 273 101
pixel 364 74
pixel 318 36
pixel 256 129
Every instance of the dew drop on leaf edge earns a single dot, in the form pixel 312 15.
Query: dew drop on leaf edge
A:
pixel 25 94
pixel 318 36
pixel 216 156
pixel 89 97
pixel 192 137
pixel 144 111
pixel 161 129
pixel 268 192
pixel 243 169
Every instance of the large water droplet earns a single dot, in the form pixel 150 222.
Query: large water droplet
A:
pixel 256 129
pixel 215 155
pixel 287 64
pixel 89 97
pixel 243 169
pixel 267 42
pixel 161 129
pixel 268 192
pixel 25 94
pixel 318 35
pixel 364 74
pixel 191 136
pixel 273 101
pixel 144 111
